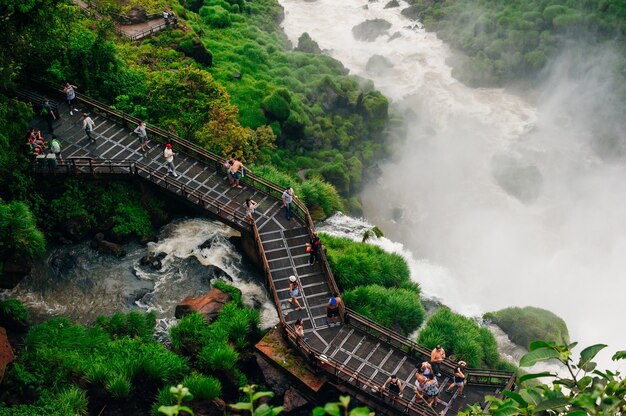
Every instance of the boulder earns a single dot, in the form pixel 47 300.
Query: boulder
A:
pixel 206 245
pixel 378 64
pixel 6 352
pixel 151 262
pixel 137 14
pixel 236 75
pixel 392 4
pixel 412 12
pixel 274 379
pixel 293 400
pixel 369 30
pixel 208 305
pixel 107 247
pixel 396 35
pixel 62 263
pixel 77 227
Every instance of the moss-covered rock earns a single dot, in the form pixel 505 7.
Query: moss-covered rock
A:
pixel 528 324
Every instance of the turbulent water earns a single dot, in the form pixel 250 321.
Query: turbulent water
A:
pixel 77 282
pixel 495 201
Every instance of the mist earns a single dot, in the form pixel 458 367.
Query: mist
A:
pixel 502 198
pixel 534 218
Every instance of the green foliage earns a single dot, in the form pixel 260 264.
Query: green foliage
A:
pixel 505 41
pixel 356 264
pixel 584 391
pixel 58 353
pixel 398 309
pixel 252 396
pixel 231 290
pixel 462 338
pixel 18 231
pixel 203 387
pixel 218 357
pixel 132 212
pixel 524 325
pixel 133 324
pixel 189 334
pixel 181 394
pixel 341 407
pixel 13 313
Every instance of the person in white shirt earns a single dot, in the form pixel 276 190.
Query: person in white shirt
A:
pixel 89 126
pixel 168 154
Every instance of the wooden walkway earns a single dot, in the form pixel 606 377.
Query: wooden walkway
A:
pixel 356 355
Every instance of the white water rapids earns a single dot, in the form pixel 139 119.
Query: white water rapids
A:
pixel 496 202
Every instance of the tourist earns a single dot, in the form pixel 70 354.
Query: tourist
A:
pixel 234 170
pixel 314 248
pixel 459 379
pixel 48 114
pixel 299 327
pixel 166 17
pixel 288 197
pixel 420 384
pixel 294 291
pixel 229 174
pixel 168 154
pixel 143 136
pixel 249 206
pixel 88 125
pixel 437 356
pixel 55 146
pixel 394 386
pixel 70 96
pixel 173 19
pixel 426 368
pixel 432 390
pixel 332 309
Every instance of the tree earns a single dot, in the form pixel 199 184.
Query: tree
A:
pixel 585 391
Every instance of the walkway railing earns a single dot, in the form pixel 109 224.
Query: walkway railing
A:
pixel 239 220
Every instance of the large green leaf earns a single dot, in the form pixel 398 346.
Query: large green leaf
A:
pixel 332 409
pixel 540 344
pixel 577 413
pixel 619 355
pixel 588 353
pixel 242 406
pixel 535 375
pixel 517 397
pixel 554 403
pixel 360 411
pixel 507 411
pixel 531 396
pixel 260 394
pixel 537 355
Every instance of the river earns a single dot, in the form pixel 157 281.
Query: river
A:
pixel 78 282
pixel 497 199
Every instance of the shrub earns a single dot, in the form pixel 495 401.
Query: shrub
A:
pixel 397 309
pixel 358 264
pixel 161 365
pixel 276 107
pixel 118 385
pixel 189 334
pixel 525 325
pixel 462 339
pixel 203 387
pixel 133 324
pixel 18 230
pixel 73 401
pixel 13 313
pixel 218 357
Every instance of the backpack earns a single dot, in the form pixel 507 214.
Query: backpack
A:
pixel 44 111
pixel 333 301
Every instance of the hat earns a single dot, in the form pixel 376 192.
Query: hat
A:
pixel 292 278
pixel 169 146
pixel 462 363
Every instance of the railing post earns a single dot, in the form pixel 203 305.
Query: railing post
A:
pixel 90 166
